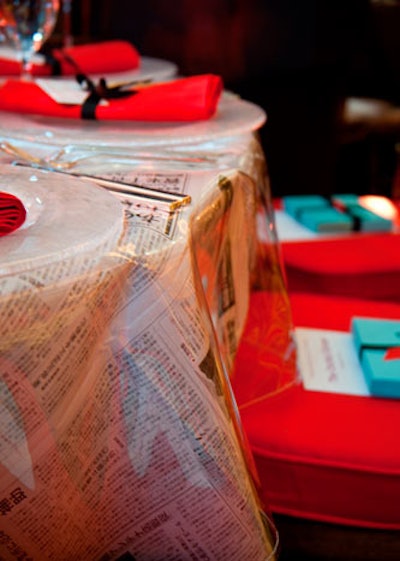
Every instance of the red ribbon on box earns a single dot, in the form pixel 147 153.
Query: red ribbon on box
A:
pixel 392 354
pixel 12 213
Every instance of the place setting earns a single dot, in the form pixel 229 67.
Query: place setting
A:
pixel 105 93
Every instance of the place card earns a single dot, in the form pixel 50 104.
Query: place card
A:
pixel 65 91
pixel 328 362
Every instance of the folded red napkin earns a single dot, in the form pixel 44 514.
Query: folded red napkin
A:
pixel 185 99
pixel 12 213
pixel 93 58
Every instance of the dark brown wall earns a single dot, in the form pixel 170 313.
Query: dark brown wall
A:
pixel 297 59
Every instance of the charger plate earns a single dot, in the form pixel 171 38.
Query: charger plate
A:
pixel 234 116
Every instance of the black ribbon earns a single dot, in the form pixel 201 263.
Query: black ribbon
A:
pixel 54 64
pixel 372 347
pixel 356 220
pixel 97 92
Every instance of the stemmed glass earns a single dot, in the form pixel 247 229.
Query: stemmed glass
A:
pixel 28 24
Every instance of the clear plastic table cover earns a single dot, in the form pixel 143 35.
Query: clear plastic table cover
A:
pixel 123 438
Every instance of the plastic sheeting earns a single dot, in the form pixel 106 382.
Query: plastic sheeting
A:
pixel 121 318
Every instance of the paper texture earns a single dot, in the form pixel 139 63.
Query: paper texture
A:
pixel 122 438
pixel 328 362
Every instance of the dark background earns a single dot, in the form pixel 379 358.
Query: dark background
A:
pixel 299 60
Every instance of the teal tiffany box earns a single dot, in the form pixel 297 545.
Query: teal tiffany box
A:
pixel 378 346
pixel 364 219
pixel 315 212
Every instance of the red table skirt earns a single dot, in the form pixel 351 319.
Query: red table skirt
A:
pixel 326 456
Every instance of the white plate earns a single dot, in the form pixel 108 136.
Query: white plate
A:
pixel 66 218
pixel 234 116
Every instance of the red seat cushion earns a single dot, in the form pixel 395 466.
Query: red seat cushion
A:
pixel 361 266
pixel 335 312
pixel 326 456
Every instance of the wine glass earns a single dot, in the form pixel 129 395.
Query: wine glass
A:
pixel 28 24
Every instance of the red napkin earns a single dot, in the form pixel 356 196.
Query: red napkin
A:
pixel 94 58
pixel 186 99
pixel 12 213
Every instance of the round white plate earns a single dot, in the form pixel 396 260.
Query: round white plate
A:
pixel 234 116
pixel 66 218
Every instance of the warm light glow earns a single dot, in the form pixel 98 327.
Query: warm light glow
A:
pixel 380 205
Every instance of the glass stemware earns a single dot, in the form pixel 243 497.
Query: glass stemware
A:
pixel 28 24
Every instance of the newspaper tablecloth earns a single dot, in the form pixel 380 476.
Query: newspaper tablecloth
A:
pixel 120 436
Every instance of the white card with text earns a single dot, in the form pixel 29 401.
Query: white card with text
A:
pixel 328 362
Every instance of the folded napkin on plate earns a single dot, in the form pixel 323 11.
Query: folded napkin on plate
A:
pixel 185 99
pixel 93 58
pixel 12 213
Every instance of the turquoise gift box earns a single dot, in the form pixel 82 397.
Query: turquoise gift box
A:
pixel 378 345
pixel 364 219
pixel 339 213
pixel 315 212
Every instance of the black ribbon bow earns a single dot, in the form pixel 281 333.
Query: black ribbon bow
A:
pixel 97 92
